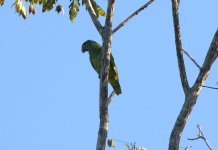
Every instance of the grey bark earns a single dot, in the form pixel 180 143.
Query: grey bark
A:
pixel 105 64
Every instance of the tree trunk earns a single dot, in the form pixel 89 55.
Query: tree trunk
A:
pixel 190 101
pixel 105 64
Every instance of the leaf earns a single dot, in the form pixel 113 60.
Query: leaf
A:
pixel 59 9
pixel 98 10
pixel 74 9
pixel 2 2
pixel 20 8
pixel 48 5
pixel 32 9
pixel 83 2
pixel 111 143
pixel 128 146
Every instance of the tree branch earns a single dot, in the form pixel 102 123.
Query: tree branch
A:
pixel 209 60
pixel 191 97
pixel 105 64
pixel 110 97
pixel 179 49
pixel 191 94
pixel 132 15
pixel 93 16
pixel 201 136
pixel 210 87
pixel 181 120
pixel 192 59
pixel 189 56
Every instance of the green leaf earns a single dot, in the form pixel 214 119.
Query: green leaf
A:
pixel 59 8
pixel 20 8
pixel 48 5
pixel 111 143
pixel 98 10
pixel 83 2
pixel 73 9
pixel 128 146
pixel 101 12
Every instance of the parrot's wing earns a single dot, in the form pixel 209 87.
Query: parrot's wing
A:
pixel 113 65
pixel 92 64
pixel 95 46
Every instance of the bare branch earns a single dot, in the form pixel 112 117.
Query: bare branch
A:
pixel 209 60
pixel 194 138
pixel 132 15
pixel 191 94
pixel 210 87
pixel 189 56
pixel 93 16
pixel 201 136
pixel 191 97
pixel 179 49
pixel 110 97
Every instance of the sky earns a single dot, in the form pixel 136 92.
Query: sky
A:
pixel 49 91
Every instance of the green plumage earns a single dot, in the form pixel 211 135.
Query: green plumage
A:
pixel 95 54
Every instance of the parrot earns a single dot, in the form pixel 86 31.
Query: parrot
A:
pixel 95 54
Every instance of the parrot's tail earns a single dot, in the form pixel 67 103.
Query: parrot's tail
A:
pixel 116 87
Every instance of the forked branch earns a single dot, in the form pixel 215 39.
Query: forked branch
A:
pixel 110 97
pixel 209 60
pixel 191 94
pixel 201 136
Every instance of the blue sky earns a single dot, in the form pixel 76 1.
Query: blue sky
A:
pixel 49 91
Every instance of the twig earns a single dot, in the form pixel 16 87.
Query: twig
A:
pixel 189 56
pixel 122 141
pixel 132 15
pixel 93 16
pixel 194 138
pixel 210 87
pixel 110 97
pixel 201 136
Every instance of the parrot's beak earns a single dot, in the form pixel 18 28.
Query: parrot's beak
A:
pixel 83 49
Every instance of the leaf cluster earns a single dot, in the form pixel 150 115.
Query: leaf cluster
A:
pixel 48 5
pixel 111 144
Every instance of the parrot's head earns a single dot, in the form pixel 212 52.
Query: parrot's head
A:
pixel 86 45
pixel 89 45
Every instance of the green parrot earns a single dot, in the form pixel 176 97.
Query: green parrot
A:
pixel 95 53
